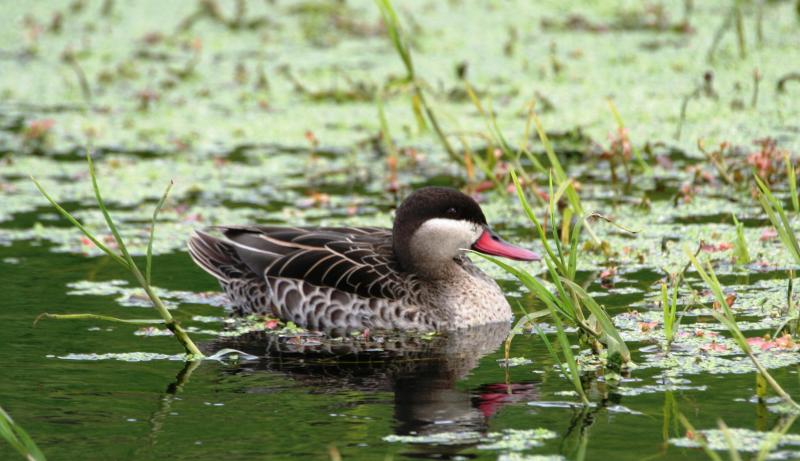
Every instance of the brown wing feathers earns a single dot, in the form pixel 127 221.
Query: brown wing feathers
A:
pixel 354 260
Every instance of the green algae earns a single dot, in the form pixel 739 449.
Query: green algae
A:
pixel 508 440
pixel 123 356
pixel 745 440
pixel 516 439
pixel 514 362
pixel 135 297
pixel 174 65
pixel 253 133
pixel 526 457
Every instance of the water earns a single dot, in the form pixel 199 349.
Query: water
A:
pixel 272 121
pixel 287 404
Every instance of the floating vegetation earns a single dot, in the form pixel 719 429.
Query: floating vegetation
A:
pixel 508 440
pixel 746 440
pixel 265 113
pixel 123 356
pixel 515 439
pixel 514 362
pixel 723 313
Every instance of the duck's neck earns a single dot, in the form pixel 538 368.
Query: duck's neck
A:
pixel 438 270
pixel 467 297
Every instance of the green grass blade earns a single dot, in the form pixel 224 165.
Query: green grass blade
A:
pixel 551 350
pixel 572 364
pixel 792 176
pixel 533 285
pixel 149 260
pixel 16 436
pixel 733 453
pixel 741 252
pixel 106 215
pixel 572 266
pixel 66 214
pixel 727 318
pixel 105 318
pixel 669 318
pixel 395 35
pixel 532 217
pixel 777 216
pixel 602 317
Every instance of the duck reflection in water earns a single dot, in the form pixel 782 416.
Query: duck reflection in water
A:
pixel 421 372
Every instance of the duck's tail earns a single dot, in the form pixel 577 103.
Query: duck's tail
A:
pixel 215 256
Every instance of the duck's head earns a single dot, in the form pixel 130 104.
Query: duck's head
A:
pixel 434 225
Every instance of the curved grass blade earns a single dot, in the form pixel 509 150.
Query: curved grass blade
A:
pixel 777 216
pixel 572 370
pixel 149 261
pixel 602 317
pixel 105 318
pixel 66 214
pixel 535 287
pixel 16 436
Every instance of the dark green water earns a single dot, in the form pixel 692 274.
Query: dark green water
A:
pixel 290 406
pixel 266 112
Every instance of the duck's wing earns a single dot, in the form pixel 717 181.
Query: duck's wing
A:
pixel 357 260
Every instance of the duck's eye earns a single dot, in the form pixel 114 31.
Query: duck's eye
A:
pixel 451 211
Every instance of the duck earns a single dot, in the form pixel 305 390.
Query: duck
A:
pixel 414 276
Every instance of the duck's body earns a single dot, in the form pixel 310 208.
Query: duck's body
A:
pixel 414 277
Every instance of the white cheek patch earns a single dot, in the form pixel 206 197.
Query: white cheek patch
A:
pixel 442 239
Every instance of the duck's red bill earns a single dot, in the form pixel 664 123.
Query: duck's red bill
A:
pixel 489 243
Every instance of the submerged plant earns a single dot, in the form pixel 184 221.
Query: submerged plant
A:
pixel 16 436
pixel 125 260
pixel 726 317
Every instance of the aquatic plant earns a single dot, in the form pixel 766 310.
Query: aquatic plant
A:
pixel 569 299
pixel 622 146
pixel 16 436
pixel 125 260
pixel 572 371
pixel 499 141
pixel 419 100
pixel 735 19
pixel 791 176
pixel 736 440
pixel 726 317
pixel 778 218
pixel 740 251
pixel 669 307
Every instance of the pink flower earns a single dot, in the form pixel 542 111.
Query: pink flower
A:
pixel 768 234
pixel 711 248
pixel 38 129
